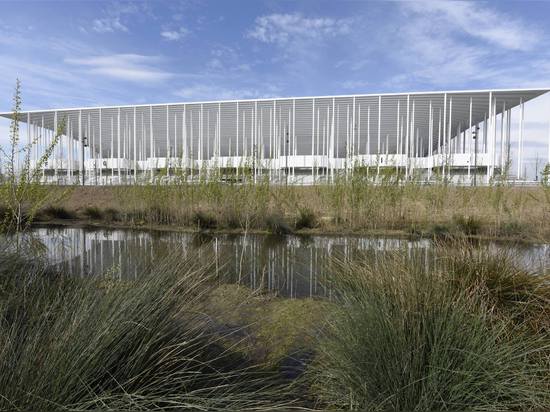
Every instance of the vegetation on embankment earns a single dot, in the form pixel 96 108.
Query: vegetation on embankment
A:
pixel 345 207
pixel 470 332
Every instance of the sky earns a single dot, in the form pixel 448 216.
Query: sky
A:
pixel 89 53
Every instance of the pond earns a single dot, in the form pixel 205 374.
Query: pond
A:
pixel 292 266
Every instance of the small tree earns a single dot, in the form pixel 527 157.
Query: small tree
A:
pixel 22 193
pixel 545 180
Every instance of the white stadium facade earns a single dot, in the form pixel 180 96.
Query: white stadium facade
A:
pixel 458 135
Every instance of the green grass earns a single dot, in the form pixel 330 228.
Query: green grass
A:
pixel 409 338
pixel 68 343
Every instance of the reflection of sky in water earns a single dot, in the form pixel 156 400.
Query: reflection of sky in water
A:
pixel 293 266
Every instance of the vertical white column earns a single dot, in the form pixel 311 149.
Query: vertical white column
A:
pixel 353 129
pixel 470 140
pixel 168 154
pixel 201 138
pixel 443 149
pixel 332 140
pixel 449 129
pixel 430 137
pixel 118 145
pixel 488 131
pixel 184 151
pixel 313 140
pixel 237 147
pixel 397 136
pixel 520 142
pixel 368 130
pixel 100 145
pixel 175 135
pixel 414 136
pixel 407 137
pixel 81 146
pixel 379 122
pixel 294 133
pixel 494 139
pixel 135 146
pixel 255 147
pixel 151 149
pixel 43 145
pixel 29 136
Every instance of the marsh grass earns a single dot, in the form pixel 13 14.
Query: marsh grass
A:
pixel 408 337
pixel 351 204
pixel 70 343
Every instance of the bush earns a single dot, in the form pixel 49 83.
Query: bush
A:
pixel 405 339
pixel 306 219
pixel 86 344
pixel 93 212
pixel 277 225
pixel 203 220
pixel 111 215
pixel 58 212
pixel 468 225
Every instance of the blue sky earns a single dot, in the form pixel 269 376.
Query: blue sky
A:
pixel 82 53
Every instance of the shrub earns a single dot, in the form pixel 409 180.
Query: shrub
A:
pixel 58 212
pixel 511 229
pixel 306 219
pixel 203 220
pixel 93 212
pixel 404 339
pixel 111 215
pixel 468 225
pixel 277 225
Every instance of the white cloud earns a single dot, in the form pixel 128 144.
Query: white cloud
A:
pixel 481 22
pixel 108 25
pixel 130 67
pixel 214 92
pixel 452 44
pixel 174 35
pixel 355 85
pixel 284 28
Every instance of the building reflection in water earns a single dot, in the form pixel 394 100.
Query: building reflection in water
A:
pixel 292 266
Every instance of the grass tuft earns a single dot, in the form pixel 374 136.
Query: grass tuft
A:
pixel 58 212
pixel 94 213
pixel 405 338
pixel 204 220
pixel 277 225
pixel 306 219
pixel 101 344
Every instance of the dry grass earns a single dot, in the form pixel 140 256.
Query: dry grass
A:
pixel 501 211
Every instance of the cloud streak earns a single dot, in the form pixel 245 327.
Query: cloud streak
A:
pixel 282 29
pixel 174 35
pixel 127 67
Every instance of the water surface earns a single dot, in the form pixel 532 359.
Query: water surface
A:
pixel 292 266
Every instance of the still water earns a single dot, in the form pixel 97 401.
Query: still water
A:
pixel 291 266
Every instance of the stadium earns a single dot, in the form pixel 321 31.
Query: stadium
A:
pixel 462 136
